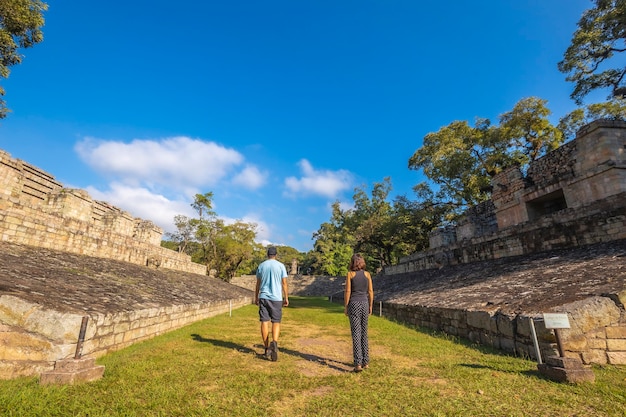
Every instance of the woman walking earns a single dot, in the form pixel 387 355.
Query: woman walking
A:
pixel 359 301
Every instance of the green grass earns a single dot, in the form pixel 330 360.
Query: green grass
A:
pixel 212 368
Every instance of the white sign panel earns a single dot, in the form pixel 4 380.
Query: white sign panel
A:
pixel 556 320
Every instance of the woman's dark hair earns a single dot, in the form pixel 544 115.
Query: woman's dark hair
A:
pixel 357 263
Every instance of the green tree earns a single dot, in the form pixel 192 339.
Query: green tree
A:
pixel 609 110
pixel 527 132
pixel 460 160
pixel 416 219
pixel 234 245
pixel 225 248
pixel 333 245
pixel 372 225
pixel 454 162
pixel 590 61
pixel 20 27
pixel 184 234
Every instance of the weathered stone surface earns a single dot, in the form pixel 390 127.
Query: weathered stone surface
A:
pixel 616 358
pixel 589 314
pixel 72 371
pixel 595 356
pixel 77 284
pixel 530 284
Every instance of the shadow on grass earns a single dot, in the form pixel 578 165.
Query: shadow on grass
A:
pixel 308 357
pixel 222 343
pixel 333 364
pixel 529 373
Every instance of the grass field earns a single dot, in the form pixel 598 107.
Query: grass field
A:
pixel 213 368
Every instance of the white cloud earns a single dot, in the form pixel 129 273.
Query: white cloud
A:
pixel 325 183
pixel 251 177
pixel 144 204
pixel 174 162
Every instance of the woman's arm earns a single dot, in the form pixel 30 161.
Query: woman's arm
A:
pixel 370 291
pixel 346 293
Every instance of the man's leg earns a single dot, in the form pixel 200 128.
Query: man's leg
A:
pixel 265 333
pixel 275 331
pixel 274 345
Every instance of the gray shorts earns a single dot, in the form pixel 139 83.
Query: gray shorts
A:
pixel 270 310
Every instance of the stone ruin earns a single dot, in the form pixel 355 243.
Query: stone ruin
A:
pixel 68 260
pixel 550 240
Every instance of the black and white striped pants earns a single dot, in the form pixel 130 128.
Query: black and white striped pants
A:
pixel 358 313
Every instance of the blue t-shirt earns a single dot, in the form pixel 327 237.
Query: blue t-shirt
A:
pixel 271 273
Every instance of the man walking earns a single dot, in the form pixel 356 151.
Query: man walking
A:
pixel 271 294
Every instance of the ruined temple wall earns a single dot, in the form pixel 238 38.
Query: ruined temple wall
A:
pixel 590 168
pixel 584 181
pixel 596 335
pixel 36 210
pixel 601 221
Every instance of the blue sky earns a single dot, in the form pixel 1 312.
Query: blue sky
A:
pixel 279 108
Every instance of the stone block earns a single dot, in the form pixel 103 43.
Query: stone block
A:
pixel 83 375
pixel 616 332
pixel 505 325
pixel 22 346
pixel 576 343
pixel 481 320
pixel 595 356
pixel 73 365
pixel 590 314
pixel 616 358
pixel 616 345
pixel 596 344
pixel 561 362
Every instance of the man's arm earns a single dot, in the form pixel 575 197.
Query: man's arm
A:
pixel 285 292
pixel 256 291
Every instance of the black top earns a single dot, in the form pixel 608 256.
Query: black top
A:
pixel 359 285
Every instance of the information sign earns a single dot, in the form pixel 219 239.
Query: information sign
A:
pixel 556 320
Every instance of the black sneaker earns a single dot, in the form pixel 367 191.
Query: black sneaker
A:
pixel 266 355
pixel 274 351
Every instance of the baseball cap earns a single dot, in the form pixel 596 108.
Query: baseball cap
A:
pixel 271 250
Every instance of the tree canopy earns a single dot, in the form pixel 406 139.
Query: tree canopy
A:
pixel 382 231
pixel 459 159
pixel 20 27
pixel 590 61
pixel 228 249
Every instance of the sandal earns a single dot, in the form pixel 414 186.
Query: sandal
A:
pixel 358 368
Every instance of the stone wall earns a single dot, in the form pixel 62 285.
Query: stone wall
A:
pixel 597 335
pixel 300 285
pixel 36 210
pixel 34 337
pixel 601 221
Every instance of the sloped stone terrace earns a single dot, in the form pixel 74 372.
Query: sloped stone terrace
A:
pixel 74 283
pixel 523 284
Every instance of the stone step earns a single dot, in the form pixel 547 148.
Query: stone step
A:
pixel 70 371
pixel 83 375
pixel 567 363
pixel 73 365
pixel 573 376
